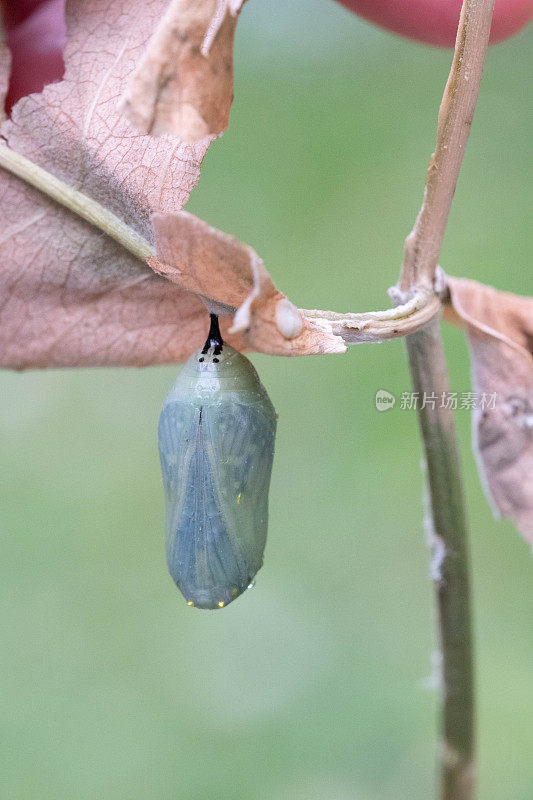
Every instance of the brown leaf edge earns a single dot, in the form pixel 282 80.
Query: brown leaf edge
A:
pixel 499 326
pixel 232 279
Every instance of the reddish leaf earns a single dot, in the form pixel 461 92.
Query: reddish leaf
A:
pixel 35 33
pixel 435 21
pixel 500 333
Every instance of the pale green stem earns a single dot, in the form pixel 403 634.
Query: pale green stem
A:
pixel 448 537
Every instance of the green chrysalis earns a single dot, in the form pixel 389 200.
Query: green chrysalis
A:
pixel 216 444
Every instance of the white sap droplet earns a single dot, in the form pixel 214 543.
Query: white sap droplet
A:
pixel 288 319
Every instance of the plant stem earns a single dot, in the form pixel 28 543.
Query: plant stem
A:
pixel 448 531
pixel 423 245
pixel 448 537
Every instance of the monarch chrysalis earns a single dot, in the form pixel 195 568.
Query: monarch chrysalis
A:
pixel 216 444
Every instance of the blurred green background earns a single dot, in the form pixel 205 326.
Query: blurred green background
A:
pixel 315 684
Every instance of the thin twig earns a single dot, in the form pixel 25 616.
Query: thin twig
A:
pixel 372 326
pixel 448 532
pixel 423 245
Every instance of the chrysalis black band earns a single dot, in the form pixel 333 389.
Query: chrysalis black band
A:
pixel 214 337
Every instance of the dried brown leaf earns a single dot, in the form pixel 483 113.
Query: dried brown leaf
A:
pixel 74 130
pixel 184 83
pixel 72 296
pixel 219 267
pixel 500 333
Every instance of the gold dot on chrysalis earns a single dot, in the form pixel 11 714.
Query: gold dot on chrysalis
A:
pixel 221 604
pixel 190 603
pixel 239 498
pixel 234 592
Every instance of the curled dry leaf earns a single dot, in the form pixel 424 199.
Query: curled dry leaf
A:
pixel 500 333
pixel 70 294
pixel 184 83
pixel 219 267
